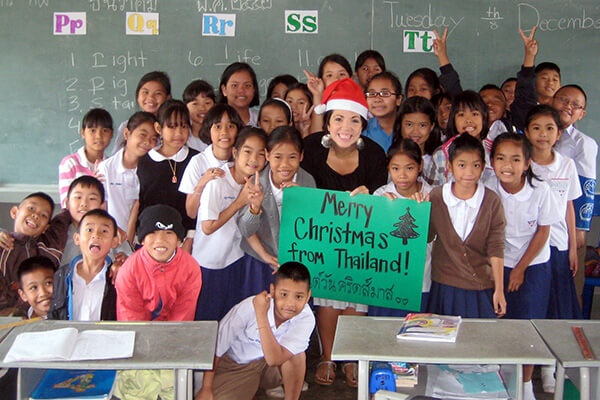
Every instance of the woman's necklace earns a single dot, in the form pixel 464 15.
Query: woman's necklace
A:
pixel 173 170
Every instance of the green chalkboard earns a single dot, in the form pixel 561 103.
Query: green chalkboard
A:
pixel 47 82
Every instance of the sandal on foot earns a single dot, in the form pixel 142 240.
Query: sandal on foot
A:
pixel 352 378
pixel 328 379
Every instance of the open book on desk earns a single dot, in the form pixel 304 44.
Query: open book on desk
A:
pixel 67 344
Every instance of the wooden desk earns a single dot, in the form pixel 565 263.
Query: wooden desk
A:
pixel 510 343
pixel 560 339
pixel 181 346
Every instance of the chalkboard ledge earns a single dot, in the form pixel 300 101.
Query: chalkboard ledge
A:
pixel 15 192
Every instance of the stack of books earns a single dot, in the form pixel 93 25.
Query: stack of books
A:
pixel 429 327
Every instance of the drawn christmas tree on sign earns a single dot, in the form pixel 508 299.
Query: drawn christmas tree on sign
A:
pixel 404 227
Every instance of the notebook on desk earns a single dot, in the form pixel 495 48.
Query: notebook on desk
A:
pixel 68 344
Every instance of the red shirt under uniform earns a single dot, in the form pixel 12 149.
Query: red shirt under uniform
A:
pixel 148 290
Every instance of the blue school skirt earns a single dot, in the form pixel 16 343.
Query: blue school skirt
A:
pixel 221 290
pixel 450 300
pixel 375 311
pixel 563 302
pixel 258 276
pixel 531 300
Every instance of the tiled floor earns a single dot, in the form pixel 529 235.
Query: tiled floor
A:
pixel 340 391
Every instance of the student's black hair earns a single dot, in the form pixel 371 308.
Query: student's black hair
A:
pixel 304 88
pixel 429 76
pixel 196 87
pixel 407 147
pixel 173 110
pixel 280 103
pixel 327 117
pixel 547 66
pixel 98 212
pixel 87 181
pixel 139 118
pixel 214 115
pixel 155 76
pixel 293 270
pixel 232 69
pixel 508 80
pixel 491 86
pixel 287 79
pixel 43 196
pixel 286 134
pixel 526 148
pixel 437 99
pixel 577 87
pixel 247 132
pixel 338 59
pixel 418 104
pixel 365 55
pixel 473 101
pixel 465 142
pixel 32 264
pixel 543 109
pixel 97 117
pixel 392 78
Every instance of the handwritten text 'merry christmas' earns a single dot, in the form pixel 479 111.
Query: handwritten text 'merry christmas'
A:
pixel 351 209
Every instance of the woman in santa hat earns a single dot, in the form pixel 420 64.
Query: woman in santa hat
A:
pixel 340 159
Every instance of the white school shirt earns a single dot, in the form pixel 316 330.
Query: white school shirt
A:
pixel 425 188
pixel 525 211
pixel 239 338
pixel 561 176
pixel 196 143
pixel 221 248
pixel 581 148
pixel 197 166
pixel 253 118
pixel 87 298
pixel 463 213
pixel 122 188
pixel 278 192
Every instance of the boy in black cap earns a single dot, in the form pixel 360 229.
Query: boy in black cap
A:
pixel 159 282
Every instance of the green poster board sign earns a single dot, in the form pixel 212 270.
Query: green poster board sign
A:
pixel 362 249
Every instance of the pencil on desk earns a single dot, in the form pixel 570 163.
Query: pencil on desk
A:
pixel 18 323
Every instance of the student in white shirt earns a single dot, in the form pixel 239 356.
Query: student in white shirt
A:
pixel 83 289
pixel 559 172
pixel 220 128
pixel 262 341
pixel 529 210
pixel 570 101
pixel 121 183
pixel 405 166
pixel 217 237
pixel 199 97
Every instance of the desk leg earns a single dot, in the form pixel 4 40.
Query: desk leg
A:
pixel 584 383
pixel 183 388
pixel 363 380
pixel 560 382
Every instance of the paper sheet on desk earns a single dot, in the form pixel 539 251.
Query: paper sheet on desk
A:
pixel 465 382
pixel 103 345
pixel 68 344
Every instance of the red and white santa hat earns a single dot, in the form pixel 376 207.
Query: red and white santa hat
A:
pixel 344 94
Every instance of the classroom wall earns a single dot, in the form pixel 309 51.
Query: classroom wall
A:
pixel 49 81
